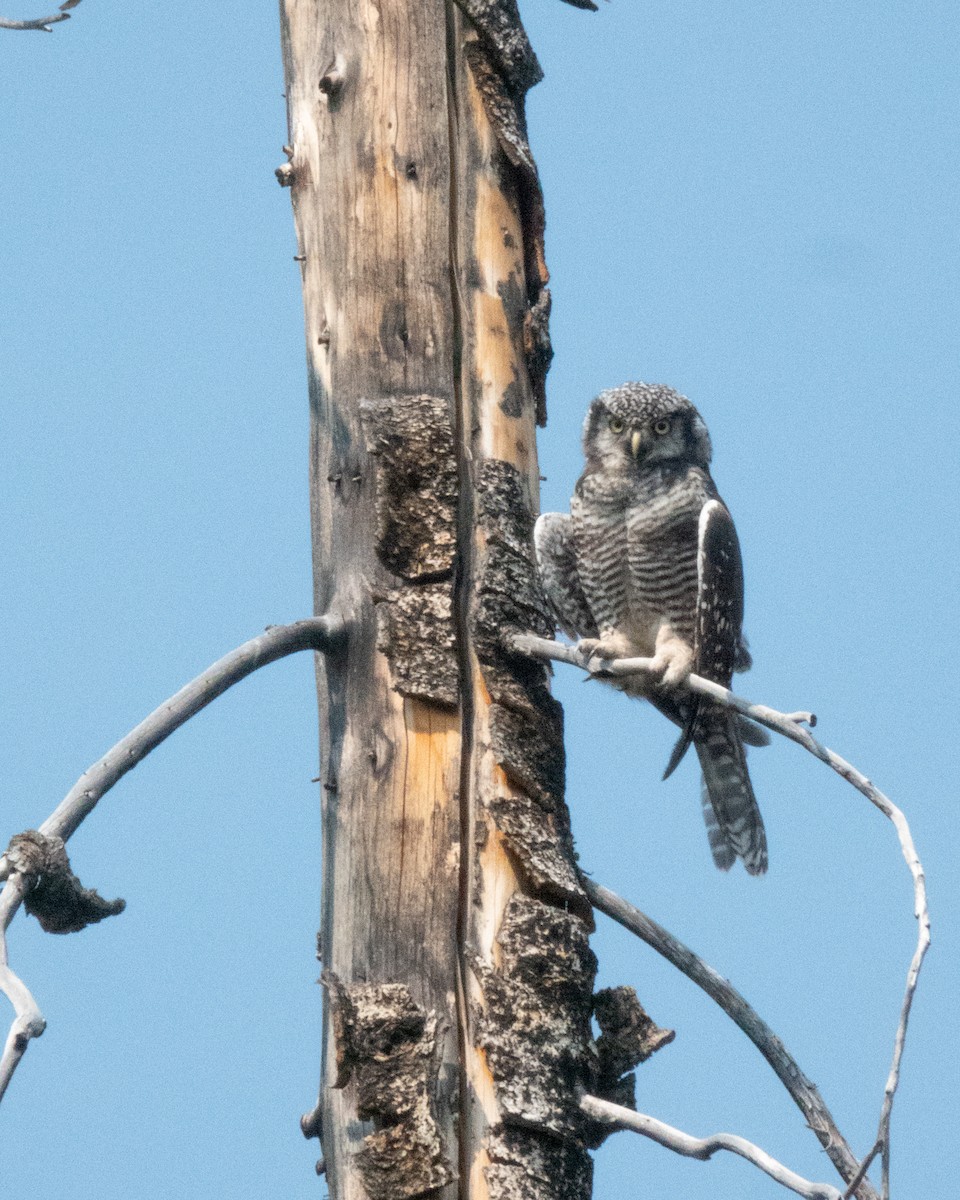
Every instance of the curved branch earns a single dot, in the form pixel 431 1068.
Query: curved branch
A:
pixel 28 1021
pixel 704 1148
pixel 801 1089
pixel 316 633
pixel 791 725
pixel 40 23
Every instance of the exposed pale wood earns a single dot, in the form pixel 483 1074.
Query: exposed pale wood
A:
pixel 489 240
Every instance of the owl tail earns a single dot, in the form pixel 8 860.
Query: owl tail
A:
pixel 750 733
pixel 734 825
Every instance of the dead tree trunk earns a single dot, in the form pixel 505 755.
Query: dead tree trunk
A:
pixel 454 930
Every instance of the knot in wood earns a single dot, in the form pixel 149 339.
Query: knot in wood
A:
pixel 56 898
pixel 331 81
pixel 33 853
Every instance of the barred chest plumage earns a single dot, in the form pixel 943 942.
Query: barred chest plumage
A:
pixel 636 539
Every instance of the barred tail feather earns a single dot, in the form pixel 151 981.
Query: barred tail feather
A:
pixel 734 825
pixel 723 856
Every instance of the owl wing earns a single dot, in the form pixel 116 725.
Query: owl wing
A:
pixel 734 825
pixel 718 647
pixel 556 558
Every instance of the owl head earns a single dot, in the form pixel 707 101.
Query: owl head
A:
pixel 638 425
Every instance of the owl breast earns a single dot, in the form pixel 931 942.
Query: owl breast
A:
pixel 637 552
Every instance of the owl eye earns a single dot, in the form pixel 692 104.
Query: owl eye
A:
pixel 661 427
pixel 616 425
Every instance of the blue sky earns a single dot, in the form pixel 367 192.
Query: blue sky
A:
pixel 755 203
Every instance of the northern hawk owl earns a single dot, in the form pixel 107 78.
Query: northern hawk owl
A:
pixel 647 563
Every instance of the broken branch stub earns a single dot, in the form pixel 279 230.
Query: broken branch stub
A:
pixel 628 1037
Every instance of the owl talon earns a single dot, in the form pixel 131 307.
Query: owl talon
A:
pixel 672 663
pixel 597 651
pixel 676 674
pixel 590 648
pixel 594 659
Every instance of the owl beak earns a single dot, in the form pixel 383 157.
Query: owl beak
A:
pixel 636 440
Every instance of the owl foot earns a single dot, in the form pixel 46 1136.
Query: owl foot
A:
pixel 673 660
pixel 602 649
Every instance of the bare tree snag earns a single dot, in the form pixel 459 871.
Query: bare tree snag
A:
pixel 449 880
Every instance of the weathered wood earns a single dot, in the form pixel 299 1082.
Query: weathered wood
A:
pixel 367 106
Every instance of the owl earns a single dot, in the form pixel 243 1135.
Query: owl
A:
pixel 647 564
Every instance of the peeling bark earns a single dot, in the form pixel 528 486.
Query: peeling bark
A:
pixel 415 630
pixel 502 94
pixel 542 849
pixel 529 1049
pixel 416 484
pixel 388 1045
pixel 546 1169
pixel 628 1036
pixel 534 1023
pixel 502 34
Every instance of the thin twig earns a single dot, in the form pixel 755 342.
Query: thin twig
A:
pixel 704 1148
pixel 861 1174
pixel 40 23
pixel 802 1090
pixel 792 726
pixel 316 633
